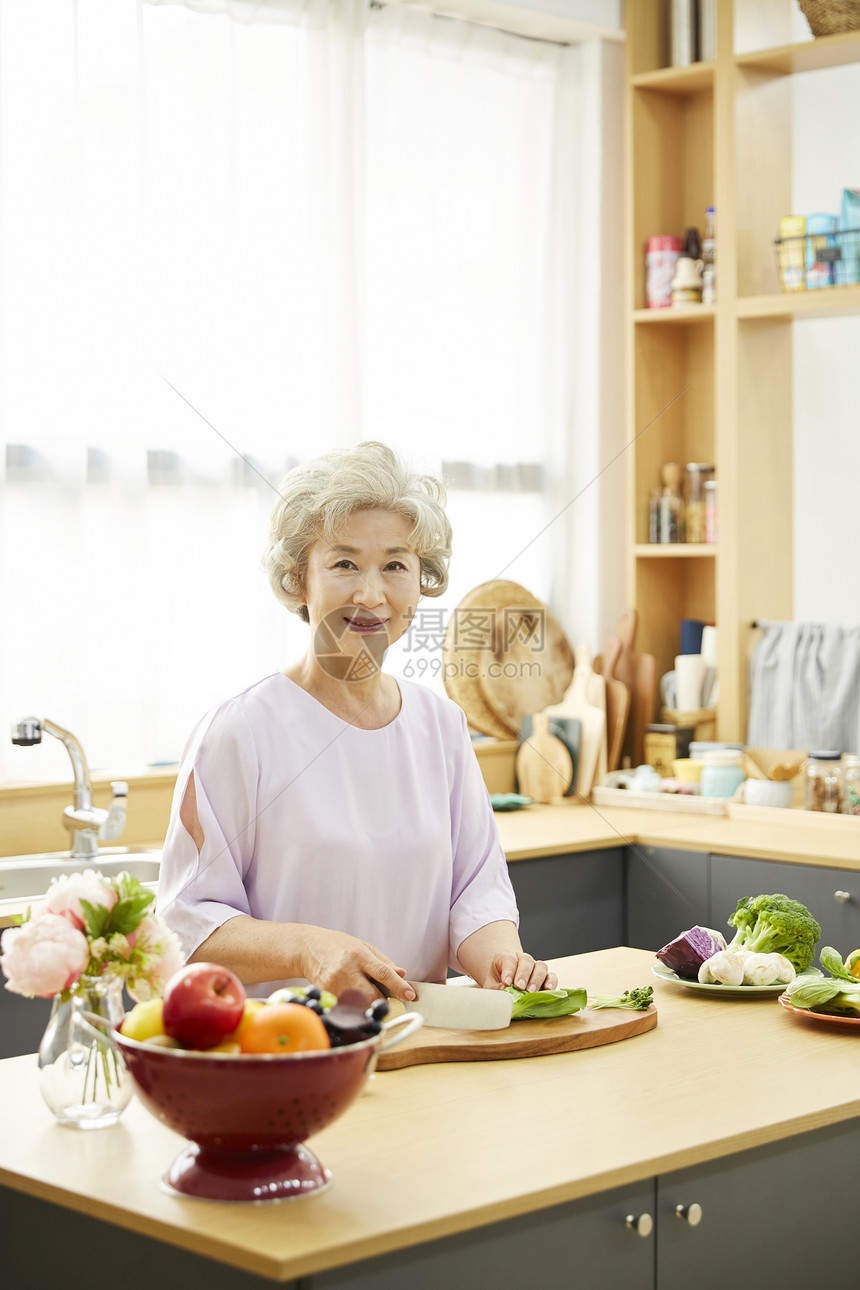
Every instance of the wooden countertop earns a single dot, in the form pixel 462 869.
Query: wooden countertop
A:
pixel 578 1128
pixel 554 830
pixel 571 827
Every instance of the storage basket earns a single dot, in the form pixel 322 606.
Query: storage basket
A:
pixel 831 17
pixel 814 260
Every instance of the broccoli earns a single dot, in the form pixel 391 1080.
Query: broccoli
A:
pixel 776 925
pixel 639 999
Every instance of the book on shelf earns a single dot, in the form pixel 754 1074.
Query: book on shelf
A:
pixel 682 30
pixel 707 30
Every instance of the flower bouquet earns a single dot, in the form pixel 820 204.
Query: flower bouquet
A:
pixel 90 937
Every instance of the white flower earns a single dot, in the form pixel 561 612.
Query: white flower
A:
pixel 160 956
pixel 65 894
pixel 44 956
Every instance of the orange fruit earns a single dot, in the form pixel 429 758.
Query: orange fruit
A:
pixel 283 1028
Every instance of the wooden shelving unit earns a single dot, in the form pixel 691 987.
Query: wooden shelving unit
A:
pixel 714 383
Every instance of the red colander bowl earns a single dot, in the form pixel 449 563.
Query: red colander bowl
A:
pixel 247 1117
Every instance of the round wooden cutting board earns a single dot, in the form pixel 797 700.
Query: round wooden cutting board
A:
pixel 586 1029
pixel 504 657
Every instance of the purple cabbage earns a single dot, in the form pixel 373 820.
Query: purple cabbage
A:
pixel 686 954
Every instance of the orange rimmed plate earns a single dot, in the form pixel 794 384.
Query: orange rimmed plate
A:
pixel 832 1018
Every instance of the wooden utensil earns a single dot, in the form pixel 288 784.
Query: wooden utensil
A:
pixel 504 655
pixel 639 673
pixel 576 703
pixel 544 767
pixel 586 1029
pixel 784 770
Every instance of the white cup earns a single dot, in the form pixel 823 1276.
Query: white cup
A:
pixel 689 676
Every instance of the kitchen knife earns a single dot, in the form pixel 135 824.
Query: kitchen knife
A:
pixel 462 1007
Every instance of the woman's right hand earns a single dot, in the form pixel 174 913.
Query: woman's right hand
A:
pixel 335 961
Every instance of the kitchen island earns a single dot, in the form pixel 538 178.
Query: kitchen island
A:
pixel 527 1170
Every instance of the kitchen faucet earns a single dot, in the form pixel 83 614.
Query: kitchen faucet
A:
pixel 87 823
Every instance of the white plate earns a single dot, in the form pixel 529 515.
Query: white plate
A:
pixel 727 991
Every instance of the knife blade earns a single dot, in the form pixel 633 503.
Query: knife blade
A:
pixel 462 1007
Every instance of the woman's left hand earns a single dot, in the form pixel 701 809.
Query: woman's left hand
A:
pixel 519 970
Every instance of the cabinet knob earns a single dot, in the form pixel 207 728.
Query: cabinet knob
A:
pixel 641 1224
pixel 690 1213
pixel 842 897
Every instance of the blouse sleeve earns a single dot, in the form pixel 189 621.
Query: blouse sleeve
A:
pixel 481 892
pixel 199 892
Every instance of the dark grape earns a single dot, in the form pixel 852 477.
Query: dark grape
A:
pixel 378 1009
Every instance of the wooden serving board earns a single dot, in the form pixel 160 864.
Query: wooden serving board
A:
pixel 586 1029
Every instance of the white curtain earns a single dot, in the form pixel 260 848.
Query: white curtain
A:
pixel 234 235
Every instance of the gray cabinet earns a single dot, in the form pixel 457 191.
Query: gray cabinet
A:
pixel 570 904
pixel 771 1218
pixel 831 895
pixel 666 891
pixel 579 1246
pixel 44 1245
pixel 22 1022
pixel 768 1219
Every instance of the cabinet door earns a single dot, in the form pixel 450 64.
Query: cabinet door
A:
pixel 569 904
pixel 666 892
pixel 580 1246
pixel 831 895
pixel 771 1218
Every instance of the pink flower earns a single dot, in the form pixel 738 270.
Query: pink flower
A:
pixel 45 955
pixel 66 893
pixel 163 957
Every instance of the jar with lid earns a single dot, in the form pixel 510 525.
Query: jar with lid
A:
pixel 722 772
pixel 850 785
pixel 823 789
pixel 694 500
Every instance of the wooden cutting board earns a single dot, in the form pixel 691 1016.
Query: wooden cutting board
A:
pixel 544 767
pixel 586 1029
pixel 617 703
pixel 638 672
pixel 504 656
pixel 576 703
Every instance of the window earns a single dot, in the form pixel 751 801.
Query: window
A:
pixel 231 240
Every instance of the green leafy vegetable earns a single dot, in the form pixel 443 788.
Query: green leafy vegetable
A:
pixel 545 1003
pixel 776 925
pixel 830 994
pixel 639 999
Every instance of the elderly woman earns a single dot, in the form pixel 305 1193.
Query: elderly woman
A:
pixel 330 823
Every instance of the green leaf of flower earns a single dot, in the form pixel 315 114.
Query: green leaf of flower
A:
pixel 128 911
pixel 95 918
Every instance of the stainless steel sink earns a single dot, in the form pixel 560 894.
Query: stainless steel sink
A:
pixel 28 877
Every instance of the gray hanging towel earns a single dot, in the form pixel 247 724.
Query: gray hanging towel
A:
pixel 805 687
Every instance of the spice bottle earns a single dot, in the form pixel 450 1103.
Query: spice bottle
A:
pixel 823 781
pixel 654 516
pixel 697 473
pixel 851 785
pixel 671 505
pixel 709 241
pixel 711 528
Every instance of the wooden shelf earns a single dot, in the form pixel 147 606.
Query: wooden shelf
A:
pixel 811 56
pixel 829 302
pixel 675 314
pixel 677 80
pixel 674 550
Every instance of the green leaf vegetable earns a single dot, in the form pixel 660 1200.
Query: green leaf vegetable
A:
pixel 776 925
pixel 837 993
pixel 545 1003
pixel 561 1003
pixel 638 999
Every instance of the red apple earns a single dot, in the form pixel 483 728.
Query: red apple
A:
pixel 203 1002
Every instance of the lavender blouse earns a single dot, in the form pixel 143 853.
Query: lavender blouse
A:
pixel 386 834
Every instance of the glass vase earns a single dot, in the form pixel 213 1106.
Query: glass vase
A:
pixel 83 1077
